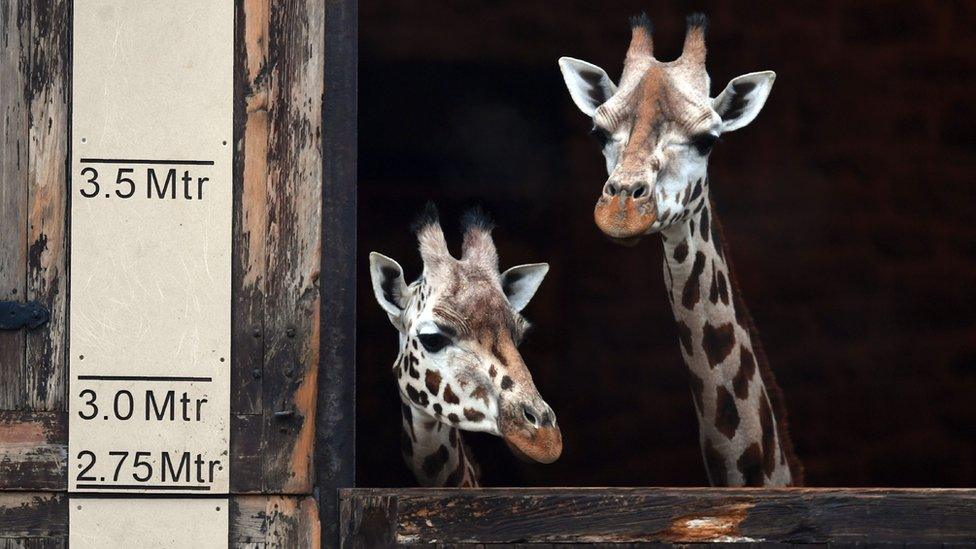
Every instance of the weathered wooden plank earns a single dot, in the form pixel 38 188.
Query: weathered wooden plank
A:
pixel 33 450
pixel 367 520
pixel 14 66
pixel 255 521
pixel 669 515
pixel 32 543
pixel 250 233
pixel 48 95
pixel 275 521
pixel 33 515
pixel 246 459
pixel 336 425
pixel 294 213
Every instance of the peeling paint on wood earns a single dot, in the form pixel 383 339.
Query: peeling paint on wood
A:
pixel 276 521
pixel 14 67
pixel 659 515
pixel 250 204
pixel 33 515
pixel 291 345
pixel 717 524
pixel 47 152
pixel 33 451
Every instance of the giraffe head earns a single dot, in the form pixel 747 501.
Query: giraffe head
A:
pixel 460 326
pixel 657 127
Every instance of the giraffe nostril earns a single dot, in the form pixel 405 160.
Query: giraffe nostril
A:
pixel 641 190
pixel 610 189
pixel 530 416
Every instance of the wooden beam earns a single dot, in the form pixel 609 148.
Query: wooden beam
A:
pixel 293 247
pixel 39 518
pixel 14 63
pixel 668 515
pixel 47 230
pixel 336 426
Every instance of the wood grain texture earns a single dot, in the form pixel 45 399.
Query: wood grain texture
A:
pixel 367 520
pixel 251 126
pixel 49 95
pixel 33 515
pixel 33 450
pixel 336 425
pixel 291 342
pixel 275 521
pixel 667 515
pixel 14 68
pixel 41 520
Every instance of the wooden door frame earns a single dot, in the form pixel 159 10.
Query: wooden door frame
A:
pixel 335 436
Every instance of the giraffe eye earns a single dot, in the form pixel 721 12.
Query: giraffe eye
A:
pixel 703 142
pixel 433 342
pixel 601 136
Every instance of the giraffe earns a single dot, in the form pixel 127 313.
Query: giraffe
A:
pixel 656 128
pixel 459 368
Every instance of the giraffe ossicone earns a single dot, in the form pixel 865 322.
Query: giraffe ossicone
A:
pixel 656 128
pixel 459 367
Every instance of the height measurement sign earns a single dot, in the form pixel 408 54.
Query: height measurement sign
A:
pixel 151 201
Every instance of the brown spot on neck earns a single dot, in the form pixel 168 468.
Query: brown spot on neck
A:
pixel 718 342
pixel 726 413
pixel 750 465
pixel 765 372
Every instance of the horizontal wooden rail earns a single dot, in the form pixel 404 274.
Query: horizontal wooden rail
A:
pixel 379 517
pixel 40 519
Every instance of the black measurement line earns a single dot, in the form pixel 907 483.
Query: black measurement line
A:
pixel 144 378
pixel 140 487
pixel 146 161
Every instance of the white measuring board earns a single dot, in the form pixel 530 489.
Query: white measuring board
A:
pixel 151 201
pixel 147 523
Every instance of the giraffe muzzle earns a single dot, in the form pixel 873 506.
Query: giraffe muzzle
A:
pixel 623 217
pixel 535 436
pixel 543 445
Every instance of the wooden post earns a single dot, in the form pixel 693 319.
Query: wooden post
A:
pixel 335 432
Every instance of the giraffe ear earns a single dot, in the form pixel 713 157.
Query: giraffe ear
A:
pixel 588 84
pixel 520 283
pixel 740 101
pixel 388 284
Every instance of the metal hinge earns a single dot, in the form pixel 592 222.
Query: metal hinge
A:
pixel 15 315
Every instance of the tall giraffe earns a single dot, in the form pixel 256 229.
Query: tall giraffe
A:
pixel 656 129
pixel 459 367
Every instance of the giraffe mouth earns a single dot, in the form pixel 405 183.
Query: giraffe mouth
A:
pixel 543 445
pixel 624 219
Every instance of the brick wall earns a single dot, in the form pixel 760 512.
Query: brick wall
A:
pixel 849 205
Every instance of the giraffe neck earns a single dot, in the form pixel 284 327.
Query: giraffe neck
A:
pixel 742 432
pixel 434 451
